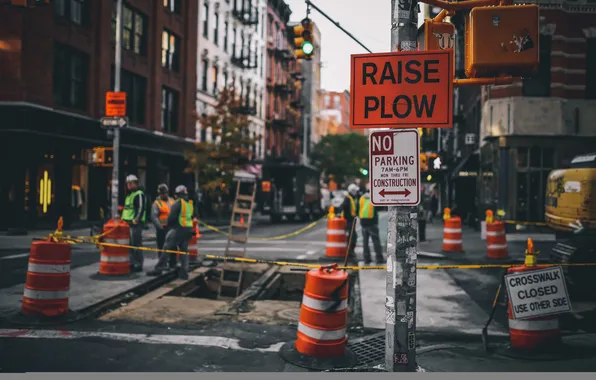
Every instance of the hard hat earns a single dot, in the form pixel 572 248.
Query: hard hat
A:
pixel 181 189
pixel 353 189
pixel 162 188
pixel 132 178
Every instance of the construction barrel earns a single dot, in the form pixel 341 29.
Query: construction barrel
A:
pixel 115 261
pixel 337 240
pixel 496 240
pixel 452 235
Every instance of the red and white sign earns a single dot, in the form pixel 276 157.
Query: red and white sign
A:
pixel 395 168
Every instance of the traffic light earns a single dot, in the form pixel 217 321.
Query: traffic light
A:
pixel 29 3
pixel 303 39
pixel 103 156
pixel 364 171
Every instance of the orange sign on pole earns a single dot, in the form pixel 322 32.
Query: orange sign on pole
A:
pixel 402 90
pixel 115 104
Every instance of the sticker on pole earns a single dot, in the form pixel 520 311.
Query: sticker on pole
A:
pixel 538 293
pixel 402 90
pixel 395 168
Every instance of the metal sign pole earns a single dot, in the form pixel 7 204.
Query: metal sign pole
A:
pixel 402 244
pixel 117 68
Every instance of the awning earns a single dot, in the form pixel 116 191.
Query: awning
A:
pixel 470 163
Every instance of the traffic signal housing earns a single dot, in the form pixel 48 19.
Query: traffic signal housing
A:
pixel 304 39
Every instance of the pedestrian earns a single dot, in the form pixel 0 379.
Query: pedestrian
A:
pixel 369 221
pixel 179 234
pixel 159 216
pixel 349 212
pixel 135 213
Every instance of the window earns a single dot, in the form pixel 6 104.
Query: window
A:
pixel 247 99
pixel 170 51
pixel 169 110
pixel 205 16
pixel 591 68
pixel 262 62
pixel 225 79
pixel 226 36
pixel 172 6
pixel 214 75
pixel 327 101
pixel 254 100
pixel 539 83
pixel 134 30
pixel 263 24
pixel 76 11
pixel 216 29
pixel 135 87
pixel 336 102
pixel 204 75
pixel 234 42
pixel 70 73
pixel 261 106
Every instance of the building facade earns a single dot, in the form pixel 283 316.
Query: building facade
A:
pixel 508 138
pixel 335 113
pixel 57 64
pixel 282 118
pixel 231 53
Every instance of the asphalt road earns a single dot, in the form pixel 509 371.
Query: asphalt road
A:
pixel 223 346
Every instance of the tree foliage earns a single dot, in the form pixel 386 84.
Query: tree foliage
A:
pixel 342 155
pixel 230 148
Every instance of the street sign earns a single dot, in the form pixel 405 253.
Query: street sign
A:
pixel 395 168
pixel 402 90
pixel 115 104
pixel 538 293
pixel 114 122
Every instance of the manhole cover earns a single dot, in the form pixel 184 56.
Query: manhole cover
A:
pixel 370 350
pixel 289 314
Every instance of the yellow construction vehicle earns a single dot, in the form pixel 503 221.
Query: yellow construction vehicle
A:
pixel 571 196
pixel 570 211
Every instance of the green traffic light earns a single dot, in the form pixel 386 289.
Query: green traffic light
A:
pixel 364 172
pixel 307 48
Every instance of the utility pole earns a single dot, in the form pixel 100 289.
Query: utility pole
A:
pixel 402 243
pixel 117 69
pixel 305 123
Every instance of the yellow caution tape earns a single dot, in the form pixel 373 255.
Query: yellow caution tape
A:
pixel 525 223
pixel 280 237
pixel 315 266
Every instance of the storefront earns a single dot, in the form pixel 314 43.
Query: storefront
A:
pixel 47 175
pixel 519 167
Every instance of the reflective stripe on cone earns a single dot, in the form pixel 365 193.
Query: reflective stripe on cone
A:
pixel 327 335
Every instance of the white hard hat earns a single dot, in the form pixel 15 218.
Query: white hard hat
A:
pixel 132 178
pixel 353 189
pixel 181 189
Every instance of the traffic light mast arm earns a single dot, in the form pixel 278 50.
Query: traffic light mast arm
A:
pixel 309 3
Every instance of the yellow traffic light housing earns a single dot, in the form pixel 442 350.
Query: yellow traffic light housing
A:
pixel 303 39
pixel 502 40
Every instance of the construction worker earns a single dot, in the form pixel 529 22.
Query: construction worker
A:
pixel 179 234
pixel 159 216
pixel 134 213
pixel 349 212
pixel 369 221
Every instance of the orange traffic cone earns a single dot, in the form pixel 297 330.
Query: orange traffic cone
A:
pixel 198 231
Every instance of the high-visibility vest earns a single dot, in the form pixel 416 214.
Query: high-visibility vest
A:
pixel 186 211
pixel 128 213
pixel 366 210
pixel 164 209
pixel 352 207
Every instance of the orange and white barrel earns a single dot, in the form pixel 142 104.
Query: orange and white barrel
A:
pixel 48 279
pixel 452 235
pixel 324 313
pixel 496 240
pixel 337 239
pixel 115 260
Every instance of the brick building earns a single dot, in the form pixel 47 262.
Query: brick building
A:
pixel 56 64
pixel 335 113
pixel 282 119
pixel 507 139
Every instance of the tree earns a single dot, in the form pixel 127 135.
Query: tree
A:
pixel 343 156
pixel 215 162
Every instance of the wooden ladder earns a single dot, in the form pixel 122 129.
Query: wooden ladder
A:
pixel 230 278
pixel 243 207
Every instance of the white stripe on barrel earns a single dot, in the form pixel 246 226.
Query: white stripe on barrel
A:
pixel 114 259
pixel 541 325
pixel 451 230
pixel 48 268
pixel 45 294
pixel 449 241
pixel 336 245
pixel 321 334
pixel 336 232
pixel 322 305
pixel 497 246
